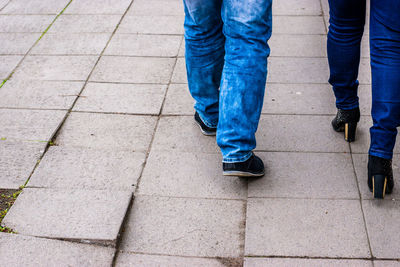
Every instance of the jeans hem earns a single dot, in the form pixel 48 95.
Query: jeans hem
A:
pixel 381 154
pixel 236 160
pixel 348 107
pixel 210 125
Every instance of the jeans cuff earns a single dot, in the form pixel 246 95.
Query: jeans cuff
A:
pixel 237 159
pixel 353 106
pixel 208 124
pixel 380 154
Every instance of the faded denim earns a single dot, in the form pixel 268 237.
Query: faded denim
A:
pixel 226 62
pixel 347 19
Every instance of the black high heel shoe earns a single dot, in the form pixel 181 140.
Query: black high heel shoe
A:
pixel 346 121
pixel 380 176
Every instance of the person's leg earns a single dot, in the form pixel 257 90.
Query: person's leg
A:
pixel 204 52
pixel 347 18
pixel 385 66
pixel 247 28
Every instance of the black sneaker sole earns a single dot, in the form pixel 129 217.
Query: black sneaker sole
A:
pixel 205 132
pixel 243 174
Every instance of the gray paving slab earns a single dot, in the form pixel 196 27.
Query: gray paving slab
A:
pixel 3 3
pixel 107 131
pixel 17 43
pixel 29 125
pixel 133 70
pixel 361 145
pixel 178 100
pixel 297 70
pixel 299 99
pixel 39 94
pixel 365 52
pixel 17 160
pixel 71 44
pixel 383 218
pixel 302 45
pixel 181 52
pixel 157 8
pixel 299 133
pixel 24 24
pixel 69 68
pixel 85 24
pixel 289 262
pixel 364 75
pixel 182 134
pixel 296 7
pixel 305 227
pixel 152 24
pixel 365 99
pixel 131 259
pixel 181 174
pixel 98 7
pixel 305 175
pixel 144 45
pixel 185 227
pixel 122 98
pixel 361 164
pixel 19 250
pixel 74 168
pixel 325 7
pixel 179 74
pixel 35 7
pixel 84 215
pixel 7 65
pixel 298 25
pixel 386 263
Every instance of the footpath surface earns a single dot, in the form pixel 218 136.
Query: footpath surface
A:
pixel 96 122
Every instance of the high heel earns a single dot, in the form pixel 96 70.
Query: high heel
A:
pixel 380 176
pixel 346 121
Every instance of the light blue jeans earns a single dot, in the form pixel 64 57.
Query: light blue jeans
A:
pixel 226 62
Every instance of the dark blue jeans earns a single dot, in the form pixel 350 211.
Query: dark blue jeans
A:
pixel 347 19
pixel 226 62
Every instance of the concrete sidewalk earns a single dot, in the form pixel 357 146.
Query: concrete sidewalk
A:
pixel 96 119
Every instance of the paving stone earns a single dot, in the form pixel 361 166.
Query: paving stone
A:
pixel 185 227
pixel 3 3
pixel 133 70
pixel 325 7
pixel 107 131
pixel 365 98
pixel 179 75
pixel 131 259
pixel 296 7
pixel 178 100
pixel 7 65
pixel 299 134
pixel 19 250
pixel 98 7
pixel 73 168
pixel 157 8
pixel 297 70
pixel 289 262
pixel 24 24
pixel 364 75
pixel 298 25
pixel 144 45
pixel 71 44
pixel 29 125
pixel 85 24
pixel 306 228
pixel 362 142
pixel 152 24
pixel 285 45
pixel 305 175
pixel 383 218
pixel 70 68
pixel 361 164
pixel 17 160
pixel 126 98
pixel 299 99
pixel 182 134
pixel 386 263
pixel 35 7
pixel 86 215
pixel 181 52
pixel 17 43
pixel 39 94
pixel 365 52
pixel 182 174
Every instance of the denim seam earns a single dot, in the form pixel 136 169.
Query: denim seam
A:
pixel 235 160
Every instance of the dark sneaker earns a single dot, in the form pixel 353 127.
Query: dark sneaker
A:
pixel 204 128
pixel 253 167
